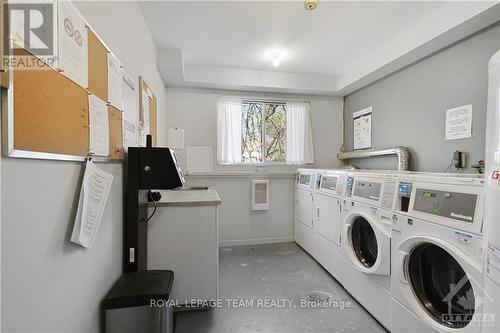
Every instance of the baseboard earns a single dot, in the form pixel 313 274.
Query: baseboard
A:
pixel 255 241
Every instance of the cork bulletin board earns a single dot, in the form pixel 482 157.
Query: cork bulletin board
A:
pixel 51 117
pixel 153 117
pixel 47 114
pixel 115 117
pixel 98 67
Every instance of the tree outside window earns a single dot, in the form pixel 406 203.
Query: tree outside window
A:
pixel 263 132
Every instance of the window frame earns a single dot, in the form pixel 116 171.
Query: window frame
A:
pixel 264 100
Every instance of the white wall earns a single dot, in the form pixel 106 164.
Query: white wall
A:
pixel 195 111
pixel 49 284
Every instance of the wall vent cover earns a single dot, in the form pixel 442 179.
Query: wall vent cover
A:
pixel 260 194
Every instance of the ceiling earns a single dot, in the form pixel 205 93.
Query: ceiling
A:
pixel 228 44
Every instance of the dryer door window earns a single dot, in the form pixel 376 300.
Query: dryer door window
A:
pixel 441 286
pixel 364 242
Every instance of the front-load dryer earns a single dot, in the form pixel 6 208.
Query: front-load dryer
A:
pixel 327 224
pixel 436 254
pixel 305 186
pixel 366 240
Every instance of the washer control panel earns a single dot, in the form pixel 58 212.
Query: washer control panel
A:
pixel 328 182
pixel 453 205
pixel 367 189
pixel 304 179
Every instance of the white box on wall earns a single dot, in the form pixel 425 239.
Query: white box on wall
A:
pixel 260 194
pixel 199 159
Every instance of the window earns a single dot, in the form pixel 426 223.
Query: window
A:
pixel 263 132
pixel 252 132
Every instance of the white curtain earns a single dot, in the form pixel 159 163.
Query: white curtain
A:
pixel 299 145
pixel 228 131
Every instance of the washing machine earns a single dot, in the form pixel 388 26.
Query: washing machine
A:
pixel 327 224
pixel 305 186
pixel 366 240
pixel 436 254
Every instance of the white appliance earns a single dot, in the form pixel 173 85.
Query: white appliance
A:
pixel 327 226
pixel 317 227
pixel 491 309
pixel 304 191
pixel 436 254
pixel 366 240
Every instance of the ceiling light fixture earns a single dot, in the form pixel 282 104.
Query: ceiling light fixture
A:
pixel 276 58
pixel 311 4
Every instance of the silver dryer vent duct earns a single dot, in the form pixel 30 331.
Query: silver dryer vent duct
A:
pixel 401 152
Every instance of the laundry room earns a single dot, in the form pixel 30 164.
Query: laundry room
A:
pixel 250 166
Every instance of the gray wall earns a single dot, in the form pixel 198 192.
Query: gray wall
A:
pixel 48 283
pixel 409 106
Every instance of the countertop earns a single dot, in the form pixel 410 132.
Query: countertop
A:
pixel 189 198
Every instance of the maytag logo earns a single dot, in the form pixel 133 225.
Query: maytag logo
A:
pixel 461 217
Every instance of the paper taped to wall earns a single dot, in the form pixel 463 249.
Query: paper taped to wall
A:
pixel 459 122
pixel 99 126
pixel 93 196
pixel 362 122
pixel 130 112
pixel 115 93
pixel 175 138
pixel 73 43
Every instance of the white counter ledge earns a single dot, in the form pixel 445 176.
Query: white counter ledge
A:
pixel 189 198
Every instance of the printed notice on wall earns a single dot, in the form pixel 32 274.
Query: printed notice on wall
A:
pixel 93 196
pixel 73 48
pixel 362 120
pixel 130 112
pixel 175 138
pixel 115 92
pixel 99 126
pixel 459 123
